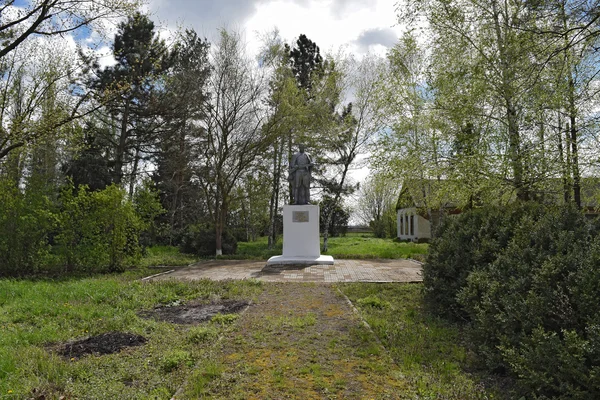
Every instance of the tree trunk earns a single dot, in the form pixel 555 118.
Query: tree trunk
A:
pixel 563 164
pixel 121 147
pixel 219 232
pixel 274 201
pixel 507 92
pixel 573 140
pixel 335 202
pixel 136 160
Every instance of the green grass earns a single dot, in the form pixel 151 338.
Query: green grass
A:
pixel 36 316
pixel 351 246
pixel 429 351
pixel 166 256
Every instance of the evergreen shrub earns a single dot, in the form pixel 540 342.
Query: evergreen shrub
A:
pixel 526 278
pixel 535 310
pixel 464 243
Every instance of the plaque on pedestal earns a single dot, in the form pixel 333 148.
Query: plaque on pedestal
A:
pixel 301 243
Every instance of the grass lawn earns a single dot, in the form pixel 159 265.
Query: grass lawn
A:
pixel 166 256
pixel 36 316
pixel 299 341
pixel 351 246
pixel 430 352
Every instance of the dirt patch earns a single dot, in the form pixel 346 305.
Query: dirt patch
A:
pixel 106 343
pixel 193 313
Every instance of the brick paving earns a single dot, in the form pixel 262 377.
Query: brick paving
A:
pixel 340 271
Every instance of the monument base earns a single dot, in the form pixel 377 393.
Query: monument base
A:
pixel 321 260
pixel 301 244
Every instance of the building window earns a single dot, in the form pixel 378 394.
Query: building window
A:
pixel 412 225
pixel 401 224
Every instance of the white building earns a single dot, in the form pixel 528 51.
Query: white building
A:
pixel 411 225
pixel 420 204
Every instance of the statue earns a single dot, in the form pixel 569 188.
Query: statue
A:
pixel 299 176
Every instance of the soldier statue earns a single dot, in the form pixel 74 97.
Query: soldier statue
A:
pixel 300 170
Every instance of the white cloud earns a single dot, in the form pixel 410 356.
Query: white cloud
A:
pixel 332 24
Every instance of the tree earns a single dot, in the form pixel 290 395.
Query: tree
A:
pixel 54 17
pixel 30 75
pixel 297 90
pixel 487 71
pixel 132 93
pixel 376 205
pixel 359 122
pixel 179 143
pixel 334 217
pixel 305 60
pixel 233 137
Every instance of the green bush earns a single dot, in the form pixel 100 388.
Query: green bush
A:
pixel 99 230
pixel 535 309
pixel 80 231
pixel 465 243
pixel 27 219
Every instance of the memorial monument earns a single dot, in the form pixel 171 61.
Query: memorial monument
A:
pixel 301 243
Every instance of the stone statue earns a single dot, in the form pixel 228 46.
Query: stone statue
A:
pixel 299 176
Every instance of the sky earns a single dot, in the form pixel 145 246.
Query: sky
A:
pixel 355 26
pixel 351 26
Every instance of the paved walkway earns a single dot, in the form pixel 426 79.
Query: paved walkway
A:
pixel 340 271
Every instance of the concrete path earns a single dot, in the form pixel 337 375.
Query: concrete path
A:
pixel 340 271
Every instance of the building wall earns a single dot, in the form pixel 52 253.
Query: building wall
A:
pixel 411 226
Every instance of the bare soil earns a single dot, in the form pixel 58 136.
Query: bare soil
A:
pixel 106 343
pixel 194 312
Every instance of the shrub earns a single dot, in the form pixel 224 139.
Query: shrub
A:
pixel 99 231
pixel 465 243
pixel 26 222
pixel 535 309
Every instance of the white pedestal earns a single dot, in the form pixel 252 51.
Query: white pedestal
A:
pixel 301 243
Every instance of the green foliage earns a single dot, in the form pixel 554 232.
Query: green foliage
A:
pixel 527 279
pixel 465 243
pixel 338 225
pixel 37 316
pixel 224 319
pixel 26 219
pixel 535 307
pixel 166 255
pixel 98 230
pixel 429 350
pixel 372 301
pixel 175 358
pixel 84 231
pixel 202 334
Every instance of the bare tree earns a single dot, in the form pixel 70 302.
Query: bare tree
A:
pixel 362 119
pixel 54 17
pixel 234 136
